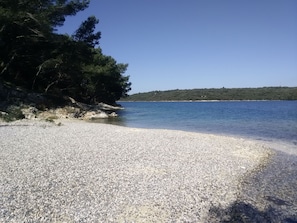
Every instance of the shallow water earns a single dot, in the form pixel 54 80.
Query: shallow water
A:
pixel 261 120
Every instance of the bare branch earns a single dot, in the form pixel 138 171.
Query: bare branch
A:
pixel 8 64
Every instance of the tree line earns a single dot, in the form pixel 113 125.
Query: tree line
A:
pixel 265 93
pixel 36 58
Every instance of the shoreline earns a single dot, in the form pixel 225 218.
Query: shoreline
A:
pixel 284 145
pixel 124 174
pixel 205 101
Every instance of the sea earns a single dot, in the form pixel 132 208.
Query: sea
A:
pixel 260 120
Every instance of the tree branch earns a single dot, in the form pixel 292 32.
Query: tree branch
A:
pixel 8 64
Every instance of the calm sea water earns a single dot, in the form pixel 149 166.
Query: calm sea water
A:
pixel 263 120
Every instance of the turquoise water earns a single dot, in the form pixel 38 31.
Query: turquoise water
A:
pixel 264 120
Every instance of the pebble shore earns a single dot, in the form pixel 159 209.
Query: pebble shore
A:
pixel 90 172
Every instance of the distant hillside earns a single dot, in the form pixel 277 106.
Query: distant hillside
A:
pixel 264 93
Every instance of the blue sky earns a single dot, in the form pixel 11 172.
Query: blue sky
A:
pixel 175 44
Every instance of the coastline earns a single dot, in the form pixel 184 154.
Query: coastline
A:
pixel 269 120
pixel 244 100
pixel 83 171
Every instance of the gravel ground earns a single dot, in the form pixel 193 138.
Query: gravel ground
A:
pixel 90 172
pixel 268 195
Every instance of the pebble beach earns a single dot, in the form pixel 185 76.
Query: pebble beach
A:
pixel 91 172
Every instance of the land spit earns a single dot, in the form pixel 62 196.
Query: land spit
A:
pixel 90 172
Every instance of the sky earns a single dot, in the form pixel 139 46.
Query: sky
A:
pixel 187 44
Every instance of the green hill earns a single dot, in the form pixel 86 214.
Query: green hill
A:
pixel 264 93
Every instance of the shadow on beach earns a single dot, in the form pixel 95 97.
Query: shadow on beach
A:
pixel 269 196
pixel 243 212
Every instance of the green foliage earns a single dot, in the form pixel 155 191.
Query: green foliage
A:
pixel 85 32
pixel 13 113
pixel 104 79
pixel 36 58
pixel 265 93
